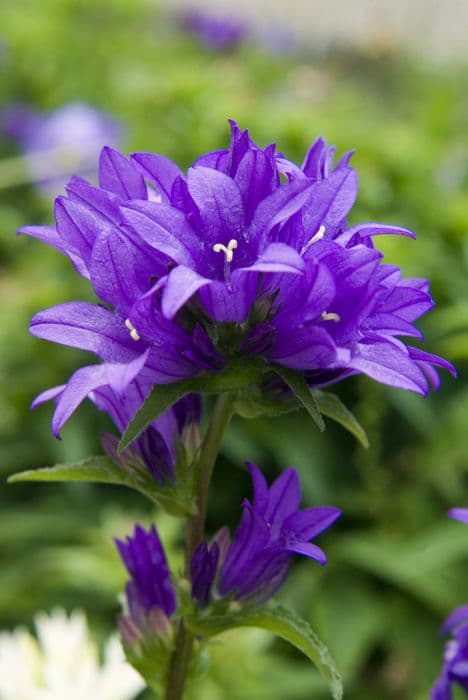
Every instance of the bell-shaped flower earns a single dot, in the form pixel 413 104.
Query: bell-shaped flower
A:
pixel 271 532
pixel 229 262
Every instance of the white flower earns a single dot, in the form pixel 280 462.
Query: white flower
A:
pixel 63 663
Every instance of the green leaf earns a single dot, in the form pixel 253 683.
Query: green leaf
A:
pixel 233 378
pixel 283 623
pixel 162 397
pixel 332 406
pixel 102 470
pixel 301 390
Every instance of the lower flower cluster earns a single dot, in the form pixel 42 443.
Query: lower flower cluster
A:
pixel 455 665
pixel 249 569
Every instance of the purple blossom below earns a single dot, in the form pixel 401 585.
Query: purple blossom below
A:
pixel 271 531
pixel 230 262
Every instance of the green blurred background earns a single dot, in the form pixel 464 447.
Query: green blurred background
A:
pixel 397 565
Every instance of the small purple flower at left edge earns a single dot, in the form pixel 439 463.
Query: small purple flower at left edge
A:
pixel 271 531
pixel 455 666
pixel 151 597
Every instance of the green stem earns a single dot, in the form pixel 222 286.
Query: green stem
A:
pixel 180 662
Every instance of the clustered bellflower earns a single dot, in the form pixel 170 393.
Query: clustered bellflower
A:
pixel 271 531
pixel 247 255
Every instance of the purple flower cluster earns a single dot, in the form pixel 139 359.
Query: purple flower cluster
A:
pixel 250 569
pixel 271 531
pixel 247 255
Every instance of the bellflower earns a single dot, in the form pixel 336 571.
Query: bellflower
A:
pixel 271 531
pixel 247 255
pixel 64 141
pixel 455 667
pixel 151 597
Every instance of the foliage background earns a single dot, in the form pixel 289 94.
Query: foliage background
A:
pixel 397 565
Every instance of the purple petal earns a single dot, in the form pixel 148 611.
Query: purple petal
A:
pixel 277 257
pixel 163 228
pixel 260 487
pixel 88 327
pixel 230 302
pixel 48 395
pixel 113 271
pixel 307 549
pixel 389 363
pixel 284 498
pixel 358 233
pixel 101 203
pixel 306 524
pixel 280 206
pixel 49 235
pixel 251 537
pixel 86 379
pixel 181 284
pixel 330 201
pixel 119 175
pixel 159 170
pixel 219 202
pixel 256 178
pixel 304 348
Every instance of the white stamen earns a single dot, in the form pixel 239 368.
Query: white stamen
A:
pixel 133 331
pixel 326 316
pixel 227 250
pixel 315 238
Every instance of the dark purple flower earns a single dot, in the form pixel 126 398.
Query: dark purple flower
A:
pixel 455 666
pixel 61 142
pixel 227 262
pixel 214 31
pixel 460 514
pixel 150 588
pixel 271 531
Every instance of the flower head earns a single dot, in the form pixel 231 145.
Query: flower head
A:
pixel 227 263
pixel 271 531
pixel 61 142
pixel 63 662
pixel 455 667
